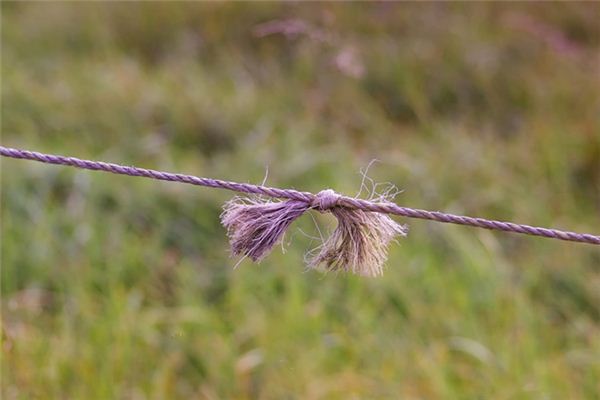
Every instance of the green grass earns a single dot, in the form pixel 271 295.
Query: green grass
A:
pixel 118 287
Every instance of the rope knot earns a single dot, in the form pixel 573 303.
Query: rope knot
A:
pixel 326 200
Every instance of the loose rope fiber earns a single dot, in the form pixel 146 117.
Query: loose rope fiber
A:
pixel 254 226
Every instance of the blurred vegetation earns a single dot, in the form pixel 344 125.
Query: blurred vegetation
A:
pixel 115 287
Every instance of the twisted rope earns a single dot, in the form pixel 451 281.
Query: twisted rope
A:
pixel 322 201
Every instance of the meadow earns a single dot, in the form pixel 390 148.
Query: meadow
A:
pixel 123 288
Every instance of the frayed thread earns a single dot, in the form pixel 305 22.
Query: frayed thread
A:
pixel 357 245
pixel 255 226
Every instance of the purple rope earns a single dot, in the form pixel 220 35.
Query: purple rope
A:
pixel 324 200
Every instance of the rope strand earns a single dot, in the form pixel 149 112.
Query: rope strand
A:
pixel 307 197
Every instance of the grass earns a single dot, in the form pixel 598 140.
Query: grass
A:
pixel 116 287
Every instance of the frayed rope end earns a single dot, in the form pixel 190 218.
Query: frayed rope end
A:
pixel 255 226
pixel 358 244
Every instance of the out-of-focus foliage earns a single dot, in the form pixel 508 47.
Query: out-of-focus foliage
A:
pixel 115 287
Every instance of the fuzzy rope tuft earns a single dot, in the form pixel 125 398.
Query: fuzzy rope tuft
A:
pixel 359 243
pixel 255 226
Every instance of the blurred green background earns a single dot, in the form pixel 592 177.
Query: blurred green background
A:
pixel 117 287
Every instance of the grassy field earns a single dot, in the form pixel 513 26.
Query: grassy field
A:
pixel 122 288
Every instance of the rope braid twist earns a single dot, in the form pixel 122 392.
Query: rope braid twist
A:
pixel 359 243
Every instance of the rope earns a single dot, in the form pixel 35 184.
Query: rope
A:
pixel 320 201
